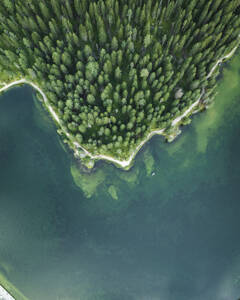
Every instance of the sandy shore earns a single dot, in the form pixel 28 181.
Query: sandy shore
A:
pixel 4 295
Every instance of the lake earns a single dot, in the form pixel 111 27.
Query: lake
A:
pixel 167 229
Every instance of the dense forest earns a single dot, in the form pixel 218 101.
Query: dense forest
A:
pixel 114 70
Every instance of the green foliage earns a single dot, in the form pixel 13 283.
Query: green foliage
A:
pixel 107 67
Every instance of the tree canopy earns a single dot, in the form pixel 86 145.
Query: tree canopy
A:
pixel 112 69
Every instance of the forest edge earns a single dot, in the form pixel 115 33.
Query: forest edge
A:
pixel 125 164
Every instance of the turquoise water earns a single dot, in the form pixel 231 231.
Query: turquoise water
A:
pixel 171 236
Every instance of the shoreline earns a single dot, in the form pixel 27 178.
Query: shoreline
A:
pixel 121 163
pixel 4 295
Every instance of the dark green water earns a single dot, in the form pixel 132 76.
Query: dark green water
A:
pixel 172 236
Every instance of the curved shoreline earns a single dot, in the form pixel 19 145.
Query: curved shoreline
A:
pixel 121 163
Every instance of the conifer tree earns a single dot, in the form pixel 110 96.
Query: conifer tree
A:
pixel 112 69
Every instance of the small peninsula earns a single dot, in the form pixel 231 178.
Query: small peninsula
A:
pixel 113 73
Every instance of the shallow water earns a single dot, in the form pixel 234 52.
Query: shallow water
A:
pixel 171 236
